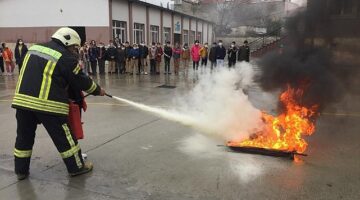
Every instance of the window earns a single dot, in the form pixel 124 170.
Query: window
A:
pixel 192 37
pixel 138 33
pixel 119 30
pixel 199 37
pixel 154 34
pixel 167 34
pixel 185 36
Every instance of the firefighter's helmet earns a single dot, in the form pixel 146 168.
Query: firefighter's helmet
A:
pixel 67 36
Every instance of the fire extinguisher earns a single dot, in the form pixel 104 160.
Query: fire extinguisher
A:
pixel 74 118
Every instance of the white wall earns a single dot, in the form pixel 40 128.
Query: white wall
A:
pixel 167 19
pixel 211 39
pixel 205 33
pixel 139 14
pixel 154 17
pixel 200 26
pixel 120 12
pixel 186 23
pixel 45 13
pixel 193 24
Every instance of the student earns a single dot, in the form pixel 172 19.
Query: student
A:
pixel 159 53
pixel 176 55
pixel 144 52
pixel 111 56
pixel 101 59
pixel 220 54
pixel 167 57
pixel 232 55
pixel 135 55
pixel 244 52
pixel 204 53
pixel 20 52
pixel 8 58
pixel 212 55
pixel 120 61
pixel 185 57
pixel 152 58
pixel 127 56
pixel 1 62
pixel 195 55
pixel 93 57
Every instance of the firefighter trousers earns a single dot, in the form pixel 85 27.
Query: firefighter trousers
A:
pixel 58 129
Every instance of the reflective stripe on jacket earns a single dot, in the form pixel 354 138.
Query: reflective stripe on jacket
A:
pixel 48 70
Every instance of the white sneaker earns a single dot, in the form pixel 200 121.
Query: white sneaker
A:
pixel 84 155
pixel 146 73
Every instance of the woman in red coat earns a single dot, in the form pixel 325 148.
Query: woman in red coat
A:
pixel 195 54
pixel 8 58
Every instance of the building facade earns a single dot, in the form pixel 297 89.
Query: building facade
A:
pixel 34 21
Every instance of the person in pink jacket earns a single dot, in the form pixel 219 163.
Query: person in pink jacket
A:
pixel 195 54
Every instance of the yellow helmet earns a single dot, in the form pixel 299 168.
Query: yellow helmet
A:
pixel 67 36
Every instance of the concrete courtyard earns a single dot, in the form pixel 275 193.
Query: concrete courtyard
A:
pixel 137 155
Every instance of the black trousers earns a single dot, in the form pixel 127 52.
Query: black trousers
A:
pixel 59 131
pixel 2 65
pixel 167 65
pixel 93 66
pixel 232 63
pixel 204 61
pixel 101 66
pixel 196 65
pixel 152 66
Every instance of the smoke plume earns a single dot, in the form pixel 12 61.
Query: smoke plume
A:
pixel 312 59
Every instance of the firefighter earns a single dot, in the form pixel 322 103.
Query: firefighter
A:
pixel 41 98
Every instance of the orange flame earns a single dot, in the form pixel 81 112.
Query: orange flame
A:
pixel 285 131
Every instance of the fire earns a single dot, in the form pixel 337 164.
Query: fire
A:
pixel 285 131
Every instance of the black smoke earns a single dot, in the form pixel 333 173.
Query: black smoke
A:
pixel 305 64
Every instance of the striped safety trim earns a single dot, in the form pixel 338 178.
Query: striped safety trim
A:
pixel 22 153
pixel 26 59
pixel 45 50
pixel 46 81
pixel 35 103
pixel 73 151
pixel 92 88
pixel 77 69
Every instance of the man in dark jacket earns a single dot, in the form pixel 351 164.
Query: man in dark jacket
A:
pixel 244 52
pixel 121 59
pixel 212 55
pixel 41 98
pixel 232 54
pixel 127 57
pixel 220 54
pixel 93 56
pixel 167 57
pixel 111 57
pixel 144 52
pixel 101 58
pixel 134 55
pixel 20 51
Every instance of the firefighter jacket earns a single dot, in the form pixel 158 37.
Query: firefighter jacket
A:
pixel 48 70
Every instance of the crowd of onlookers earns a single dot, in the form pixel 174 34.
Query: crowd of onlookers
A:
pixel 7 62
pixel 123 58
